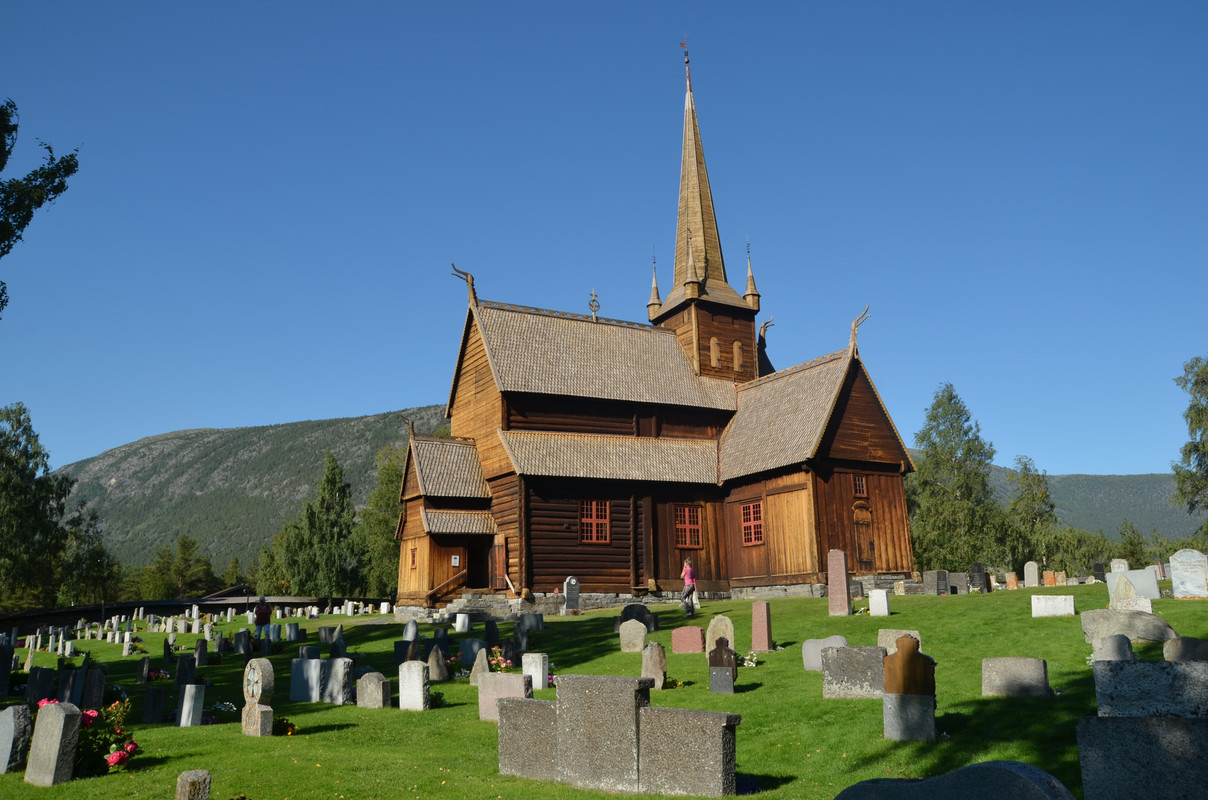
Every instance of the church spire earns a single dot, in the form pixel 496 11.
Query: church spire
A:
pixel 696 236
pixel 655 301
pixel 752 294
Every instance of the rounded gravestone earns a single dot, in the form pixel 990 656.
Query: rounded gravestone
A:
pixel 258 681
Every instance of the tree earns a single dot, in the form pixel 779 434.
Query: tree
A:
pixel 32 504
pixel 233 576
pixel 1191 471
pixel 953 518
pixel 21 197
pixel 317 552
pixel 378 523
pixel 1132 546
pixel 1033 527
pixel 89 572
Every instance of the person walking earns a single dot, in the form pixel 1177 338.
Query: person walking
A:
pixel 688 575
pixel 262 614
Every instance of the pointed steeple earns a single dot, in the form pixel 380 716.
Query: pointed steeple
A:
pixel 752 294
pixel 697 222
pixel 655 303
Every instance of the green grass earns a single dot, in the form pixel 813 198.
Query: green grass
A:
pixel 794 743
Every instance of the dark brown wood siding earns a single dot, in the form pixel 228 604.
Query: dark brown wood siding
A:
pixel 859 429
pixel 876 534
pixel 505 509
pixel 477 406
pixel 554 547
pixel 709 560
pixel 789 553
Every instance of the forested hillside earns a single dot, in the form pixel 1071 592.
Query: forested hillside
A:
pixel 230 489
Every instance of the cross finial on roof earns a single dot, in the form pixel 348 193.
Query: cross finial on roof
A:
pixel 687 71
pixel 594 305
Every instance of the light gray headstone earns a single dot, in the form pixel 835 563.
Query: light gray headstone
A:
pixel 374 691
pixel 1189 574
pixel 878 603
pixel 720 626
pixel 633 636
pixel 15 731
pixel 413 686
pixel 306 679
pixel 811 651
pixel 1114 647
pixel 1144 582
pixel 1052 605
pixel 480 668
pixel 1136 625
pixel 594 709
pixel 438 669
pixel 192 701
pixel 536 666
pixel 494 685
pixel 853 672
pixel 337 689
pixel 989 779
pixel 461 623
pixel 193 784
pixel 888 638
pixel 909 717
pixel 1012 676
pixel 654 664
pixel 1151 688
pixel 1031 574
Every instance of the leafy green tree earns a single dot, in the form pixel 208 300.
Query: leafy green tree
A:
pixel 1033 527
pixel 953 517
pixel 21 197
pixel 1132 546
pixel 317 551
pixel 1079 550
pixel 32 503
pixel 1191 471
pixel 89 572
pixel 378 523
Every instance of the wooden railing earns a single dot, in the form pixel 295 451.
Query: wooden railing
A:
pixel 437 591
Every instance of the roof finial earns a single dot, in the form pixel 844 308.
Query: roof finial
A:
pixel 594 305
pixel 856 323
pixel 687 71
pixel 752 294
pixel 469 279
pixel 410 426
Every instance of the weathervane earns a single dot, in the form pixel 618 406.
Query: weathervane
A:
pixel 594 305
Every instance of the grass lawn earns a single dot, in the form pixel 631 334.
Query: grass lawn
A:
pixel 791 742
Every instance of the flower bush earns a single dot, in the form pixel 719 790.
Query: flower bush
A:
pixel 497 662
pixel 750 660
pixel 104 745
pixel 283 727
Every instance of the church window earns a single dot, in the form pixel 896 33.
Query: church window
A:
pixel 752 523
pixel 593 522
pixel 687 526
pixel 412 558
pixel 714 352
pixel 737 356
pixel 859 486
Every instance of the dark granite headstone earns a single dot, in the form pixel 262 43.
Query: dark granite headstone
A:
pixel 935 581
pixel 639 612
pixel 1100 574
pixel 153 705
pixel 490 632
pixel 570 590
pixel 721 680
pixel 723 656
pixel 979 580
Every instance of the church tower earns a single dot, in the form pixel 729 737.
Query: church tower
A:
pixel 715 326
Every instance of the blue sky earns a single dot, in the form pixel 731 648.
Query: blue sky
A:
pixel 270 195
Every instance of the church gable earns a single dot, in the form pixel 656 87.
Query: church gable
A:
pixel 860 429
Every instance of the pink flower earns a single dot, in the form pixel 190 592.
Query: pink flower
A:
pixel 89 717
pixel 131 747
pixel 118 758
pixel 46 701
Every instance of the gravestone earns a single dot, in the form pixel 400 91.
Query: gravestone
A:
pixel 1012 581
pixel 811 651
pixel 688 639
pixel 185 669
pixel 888 638
pixel 705 768
pixel 490 632
pixel 41 684
pixel 1189 574
pixel 519 639
pixel 413 687
pixel 1097 571
pixel 373 691
pixel 639 612
pixel 526 748
pixel 1185 648
pixel 935 581
pixel 153 705
pixel 722 655
pixel 654 665
pixel 411 630
pixel 1052 605
pixel 1114 647
pixel 532 622
pixel 169 656
pixel 243 642
pixel 908 712
pixel 1060 578
pixel 468 650
pixel 461 623
pixel 327 634
pixel 1049 577
pixel 480 668
pixel 992 780
pixel 721 680
pixel 259 681
pixel 94 687
pixel 438 668
pixel 570 591
pixel 193 784
pixel 52 749
pixel 71 687
pixel 761 628
pixel 853 672
pixel 306 679
pixel 1119 565
pixel 201 652
pixel 15 732
pixel 1136 625
pixel 1144 583
pixel 959 582
pixel 536 666
pixel 1151 688
pixel 1031 575
pixel 192 702
pixel 979 580
pixel 720 626
pixel 1143 757
pixel 1122 596
pixel 337 689
pixel 494 685
pixel 1011 676
pixel 633 636
pixel 292 630
pixel 309 651
pixel 594 709
pixel 878 603
pixel 838 599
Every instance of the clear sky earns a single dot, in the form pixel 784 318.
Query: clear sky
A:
pixel 270 195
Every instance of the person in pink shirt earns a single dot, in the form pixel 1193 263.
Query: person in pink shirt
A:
pixel 689 577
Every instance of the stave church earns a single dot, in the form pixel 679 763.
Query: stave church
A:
pixel 613 450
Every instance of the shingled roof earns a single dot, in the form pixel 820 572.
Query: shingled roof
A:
pixel 580 455
pixel 781 417
pixel 571 355
pixel 448 468
pixel 458 521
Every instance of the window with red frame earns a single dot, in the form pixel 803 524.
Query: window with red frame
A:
pixel 593 521
pixel 412 558
pixel 687 526
pixel 752 523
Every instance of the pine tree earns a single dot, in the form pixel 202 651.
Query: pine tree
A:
pixel 378 523
pixel 953 518
pixel 1191 471
pixel 317 552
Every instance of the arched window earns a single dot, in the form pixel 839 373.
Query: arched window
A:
pixel 737 355
pixel 714 352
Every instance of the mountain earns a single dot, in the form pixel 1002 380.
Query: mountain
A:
pixel 230 489
pixel 233 489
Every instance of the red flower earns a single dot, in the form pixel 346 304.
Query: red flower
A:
pixel 118 758
pixel 46 701
pixel 89 717
pixel 131 747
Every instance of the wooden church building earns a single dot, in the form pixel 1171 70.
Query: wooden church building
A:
pixel 612 450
